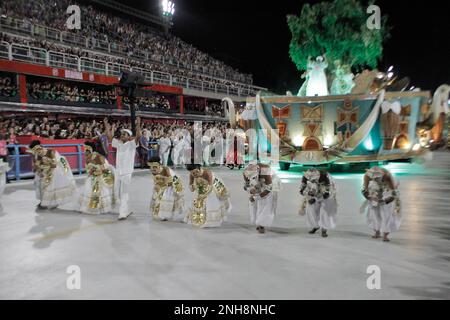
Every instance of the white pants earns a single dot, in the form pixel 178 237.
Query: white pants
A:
pixel 123 192
pixel 321 214
pixel 206 155
pixel 262 210
pixel 164 157
pixel 382 218
pixel 178 157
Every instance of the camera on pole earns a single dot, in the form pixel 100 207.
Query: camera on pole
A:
pixel 129 82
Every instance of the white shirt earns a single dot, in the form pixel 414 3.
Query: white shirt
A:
pixel 125 155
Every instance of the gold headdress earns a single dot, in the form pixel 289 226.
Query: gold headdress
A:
pixel 88 149
pixel 35 149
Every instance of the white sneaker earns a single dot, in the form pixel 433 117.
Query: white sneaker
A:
pixel 125 218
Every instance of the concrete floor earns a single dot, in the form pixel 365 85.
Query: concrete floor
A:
pixel 142 259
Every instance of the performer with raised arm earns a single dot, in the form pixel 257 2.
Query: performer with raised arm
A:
pixel 382 203
pixel 98 195
pixel 53 179
pixel 318 201
pixel 168 199
pixel 262 184
pixel 125 155
pixel 211 201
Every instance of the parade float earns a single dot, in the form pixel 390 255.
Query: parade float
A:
pixel 338 118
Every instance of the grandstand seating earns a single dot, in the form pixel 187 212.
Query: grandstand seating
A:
pixel 100 48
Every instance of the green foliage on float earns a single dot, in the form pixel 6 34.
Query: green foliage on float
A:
pixel 339 30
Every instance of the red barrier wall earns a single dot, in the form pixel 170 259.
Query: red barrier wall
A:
pixel 72 159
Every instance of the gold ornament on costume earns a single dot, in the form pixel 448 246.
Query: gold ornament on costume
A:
pixel 202 186
pixel 46 166
pixel 64 164
pixel 198 211
pixel 161 184
pixel 177 184
pixel 220 188
pixel 94 171
pixel 108 177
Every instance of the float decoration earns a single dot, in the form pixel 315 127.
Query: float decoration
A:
pixel 337 30
pixel 279 114
pixel 347 120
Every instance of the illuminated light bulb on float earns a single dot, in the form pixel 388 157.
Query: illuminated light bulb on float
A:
pixel 368 144
pixel 328 141
pixel 298 140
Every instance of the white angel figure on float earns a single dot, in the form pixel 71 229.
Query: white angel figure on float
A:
pixel 316 77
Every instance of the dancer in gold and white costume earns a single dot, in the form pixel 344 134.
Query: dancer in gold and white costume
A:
pixel 168 199
pixel 262 184
pixel 99 193
pixel 382 204
pixel 53 180
pixel 211 201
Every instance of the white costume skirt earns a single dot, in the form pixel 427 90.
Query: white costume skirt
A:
pixel 169 207
pixel 60 190
pixel 100 200
pixel 382 218
pixel 321 214
pixel 210 213
pixel 263 210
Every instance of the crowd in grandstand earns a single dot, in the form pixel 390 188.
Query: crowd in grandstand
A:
pixel 8 88
pixel 156 102
pixel 63 91
pixel 76 92
pixel 86 128
pixel 99 27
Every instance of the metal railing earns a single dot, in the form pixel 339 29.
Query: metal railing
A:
pixel 23 53
pixel 63 60
pixel 24 27
pixel 21 164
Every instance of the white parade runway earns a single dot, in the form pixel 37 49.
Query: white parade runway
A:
pixel 143 259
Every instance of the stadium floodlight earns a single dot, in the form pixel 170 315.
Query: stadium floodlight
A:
pixel 168 8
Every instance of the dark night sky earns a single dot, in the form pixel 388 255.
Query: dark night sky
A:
pixel 253 36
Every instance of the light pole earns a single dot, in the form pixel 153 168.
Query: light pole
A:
pixel 168 10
